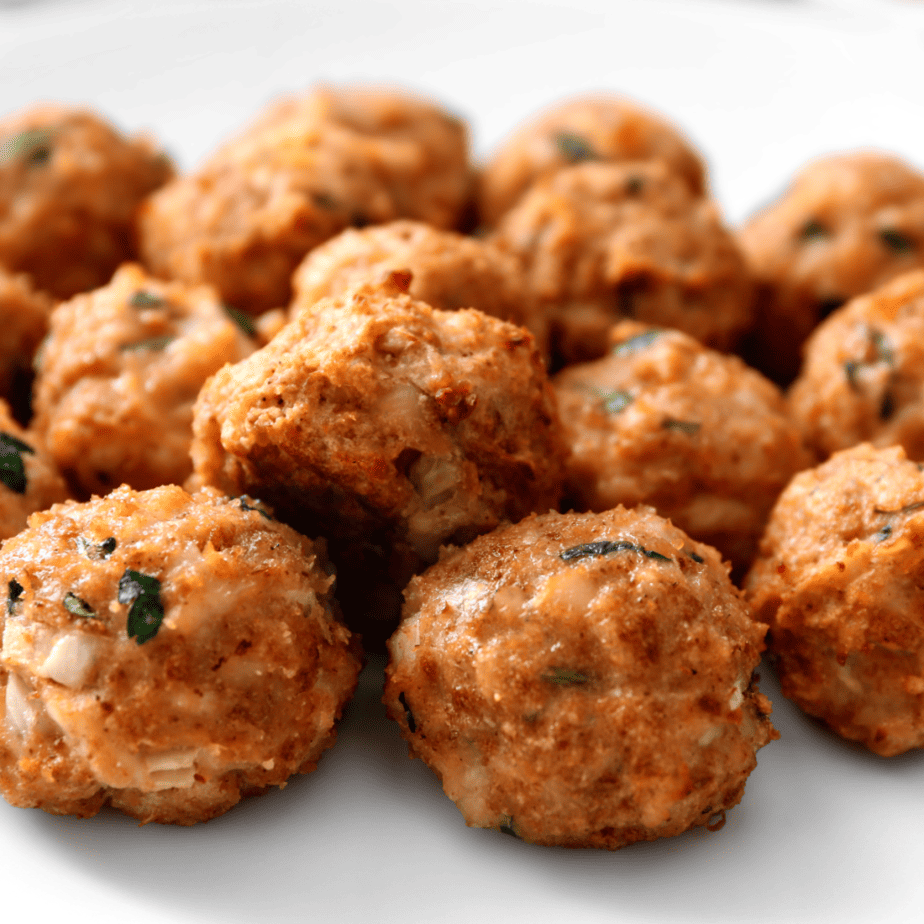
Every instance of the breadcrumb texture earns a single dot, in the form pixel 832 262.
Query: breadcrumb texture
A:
pixel 601 242
pixel 839 583
pixel 309 167
pixel 447 270
pixel 582 680
pixel 374 411
pixel 118 376
pixel 664 421
pixel 70 184
pixel 237 690
pixel 587 128
pixel 847 224
pixel 862 379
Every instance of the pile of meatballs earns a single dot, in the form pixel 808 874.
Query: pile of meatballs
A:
pixel 545 429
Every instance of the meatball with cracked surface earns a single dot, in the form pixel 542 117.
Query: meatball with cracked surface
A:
pixel 118 376
pixel 70 184
pixel 601 127
pixel 448 271
pixel 839 582
pixel 604 241
pixel 696 434
pixel 164 653
pixel 847 224
pixel 309 167
pixel 862 378
pixel 581 680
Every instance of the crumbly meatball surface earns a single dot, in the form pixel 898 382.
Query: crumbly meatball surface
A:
pixel 118 376
pixel 29 479
pixel 839 583
pixel 582 680
pixel 847 224
pixel 70 184
pixel 664 421
pixel 374 411
pixel 601 242
pixel 862 378
pixel 24 315
pixel 309 167
pixel 591 128
pixel 448 271
pixel 166 654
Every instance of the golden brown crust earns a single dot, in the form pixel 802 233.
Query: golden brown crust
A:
pixel 69 187
pixel 237 687
pixel 581 680
pixel 838 581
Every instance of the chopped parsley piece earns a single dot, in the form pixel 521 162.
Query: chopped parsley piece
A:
pixel 77 607
pixel 408 715
pixel 637 343
pixel 607 547
pixel 878 351
pixel 813 230
pixel 681 426
pixel 697 558
pixel 15 589
pixel 245 504
pixel 574 148
pixel 883 533
pixel 615 401
pixel 144 299
pixel 566 677
pixel 896 241
pixel 152 343
pixel 33 146
pixel 242 319
pixel 147 611
pixel 12 470
pixel 97 552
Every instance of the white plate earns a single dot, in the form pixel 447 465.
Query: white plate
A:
pixel 826 831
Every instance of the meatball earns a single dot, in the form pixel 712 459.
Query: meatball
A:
pixel 839 582
pixel 863 374
pixel 308 168
pixel 606 241
pixel 588 128
pixel 118 376
pixel 846 225
pixel 30 481
pixel 164 653
pixel 70 184
pixel 696 434
pixel 448 271
pixel 24 315
pixel 583 680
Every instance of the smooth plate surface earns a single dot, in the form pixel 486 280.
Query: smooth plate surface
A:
pixel 826 832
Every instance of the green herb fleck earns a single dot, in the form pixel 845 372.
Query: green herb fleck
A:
pixel 152 343
pixel 607 547
pixel 145 299
pixel 681 426
pixel 147 611
pixel 697 558
pixel 634 185
pixel 574 148
pixel 242 319
pixel 879 350
pixel 97 552
pixel 813 230
pixel 12 469
pixel 77 607
pixel 615 401
pixel 896 241
pixel 506 827
pixel 244 502
pixel 408 715
pixel 566 677
pixel 883 533
pixel 32 146
pixel 637 343
pixel 15 589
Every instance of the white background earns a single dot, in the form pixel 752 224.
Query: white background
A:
pixel 826 831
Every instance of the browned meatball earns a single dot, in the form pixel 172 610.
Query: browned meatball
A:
pixel 69 187
pixel 448 271
pixel 696 434
pixel 308 168
pixel 29 480
pixel 583 680
pixel 118 376
pixel 166 654
pixel 24 319
pixel 839 582
pixel 590 128
pixel 606 241
pixel 846 225
pixel 863 374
